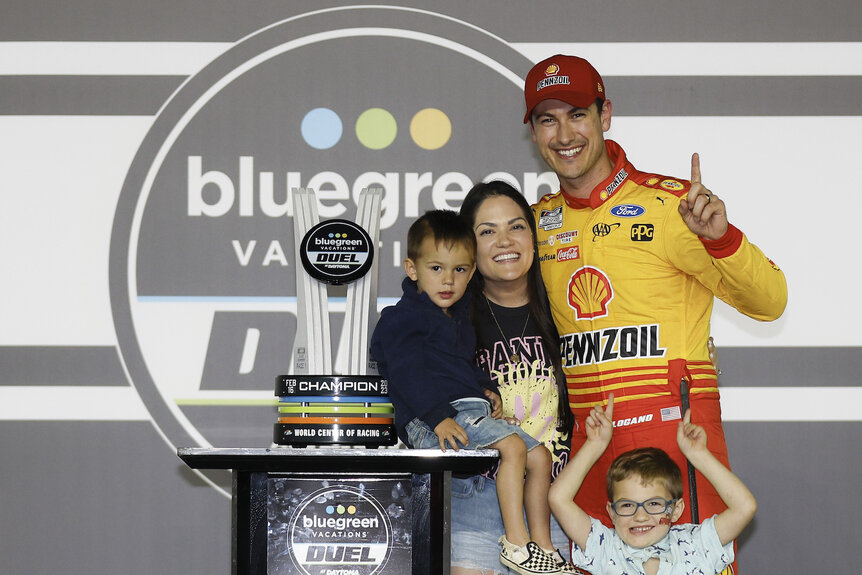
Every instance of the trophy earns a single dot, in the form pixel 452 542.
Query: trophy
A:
pixel 347 404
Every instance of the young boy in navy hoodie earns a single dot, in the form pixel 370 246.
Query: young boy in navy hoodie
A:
pixel 425 347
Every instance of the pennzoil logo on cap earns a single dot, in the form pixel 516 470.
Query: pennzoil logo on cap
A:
pixel 552 79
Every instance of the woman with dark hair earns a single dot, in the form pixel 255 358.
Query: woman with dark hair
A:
pixel 517 344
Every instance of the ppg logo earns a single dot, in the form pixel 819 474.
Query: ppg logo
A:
pixel 642 232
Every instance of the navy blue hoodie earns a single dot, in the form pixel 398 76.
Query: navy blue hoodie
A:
pixel 428 358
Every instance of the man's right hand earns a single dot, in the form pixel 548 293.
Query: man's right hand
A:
pixel 701 210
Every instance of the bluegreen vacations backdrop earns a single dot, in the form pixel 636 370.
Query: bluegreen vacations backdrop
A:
pixel 147 296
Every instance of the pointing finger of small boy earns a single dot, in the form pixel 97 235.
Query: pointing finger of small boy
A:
pixel 684 427
pixel 597 417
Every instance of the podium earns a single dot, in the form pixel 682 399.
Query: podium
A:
pixel 290 506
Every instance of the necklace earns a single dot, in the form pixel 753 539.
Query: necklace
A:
pixel 515 357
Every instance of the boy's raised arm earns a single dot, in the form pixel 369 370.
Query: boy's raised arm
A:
pixel 740 502
pixel 574 520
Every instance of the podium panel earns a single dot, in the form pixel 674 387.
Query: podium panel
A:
pixel 339 523
pixel 336 511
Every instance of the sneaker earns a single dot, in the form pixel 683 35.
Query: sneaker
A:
pixel 563 565
pixel 527 560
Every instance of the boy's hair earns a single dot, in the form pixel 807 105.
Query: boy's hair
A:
pixel 650 464
pixel 445 226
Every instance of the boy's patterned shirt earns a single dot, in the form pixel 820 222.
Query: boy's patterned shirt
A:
pixel 687 549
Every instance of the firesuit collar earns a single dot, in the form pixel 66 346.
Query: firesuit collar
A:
pixel 570 79
pixel 622 170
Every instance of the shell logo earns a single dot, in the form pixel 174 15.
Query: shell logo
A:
pixel 551 70
pixel 590 292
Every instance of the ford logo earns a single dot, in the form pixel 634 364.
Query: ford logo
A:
pixel 628 211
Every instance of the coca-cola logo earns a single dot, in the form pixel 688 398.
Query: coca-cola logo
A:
pixel 565 254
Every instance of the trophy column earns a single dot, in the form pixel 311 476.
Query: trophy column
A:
pixel 347 405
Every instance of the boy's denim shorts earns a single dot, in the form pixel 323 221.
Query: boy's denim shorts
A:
pixel 474 415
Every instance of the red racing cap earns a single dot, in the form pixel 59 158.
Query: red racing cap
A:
pixel 568 78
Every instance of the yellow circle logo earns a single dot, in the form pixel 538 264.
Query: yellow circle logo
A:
pixel 672 185
pixel 430 129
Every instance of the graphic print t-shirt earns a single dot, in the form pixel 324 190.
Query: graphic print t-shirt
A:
pixel 528 388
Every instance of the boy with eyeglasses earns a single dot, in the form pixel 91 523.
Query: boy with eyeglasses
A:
pixel 645 499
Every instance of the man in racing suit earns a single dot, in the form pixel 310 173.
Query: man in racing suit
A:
pixel 631 262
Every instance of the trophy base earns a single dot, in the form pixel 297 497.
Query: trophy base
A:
pixel 333 410
pixel 305 434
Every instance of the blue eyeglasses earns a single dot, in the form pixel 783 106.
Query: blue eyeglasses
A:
pixel 654 506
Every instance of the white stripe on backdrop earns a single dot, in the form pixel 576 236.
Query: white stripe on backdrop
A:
pixel 611 58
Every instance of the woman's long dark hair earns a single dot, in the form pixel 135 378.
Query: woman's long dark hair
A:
pixel 539 306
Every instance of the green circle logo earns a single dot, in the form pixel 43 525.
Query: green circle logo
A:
pixel 376 128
